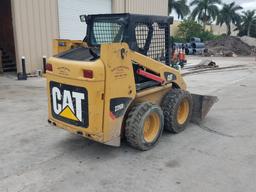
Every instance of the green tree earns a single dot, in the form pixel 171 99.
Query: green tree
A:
pixel 188 29
pixel 179 6
pixel 205 10
pixel 248 21
pixel 228 15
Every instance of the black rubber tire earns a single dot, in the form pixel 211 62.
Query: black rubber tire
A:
pixel 170 105
pixel 134 125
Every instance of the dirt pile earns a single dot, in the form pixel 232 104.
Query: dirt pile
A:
pixel 229 46
pixel 249 40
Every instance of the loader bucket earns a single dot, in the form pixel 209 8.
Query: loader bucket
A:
pixel 201 106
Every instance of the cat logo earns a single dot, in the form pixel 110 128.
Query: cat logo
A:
pixel 69 103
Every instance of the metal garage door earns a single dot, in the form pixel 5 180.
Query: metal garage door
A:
pixel 69 12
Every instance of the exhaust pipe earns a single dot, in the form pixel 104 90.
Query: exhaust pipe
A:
pixel 201 106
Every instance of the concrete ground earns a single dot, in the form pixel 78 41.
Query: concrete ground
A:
pixel 219 155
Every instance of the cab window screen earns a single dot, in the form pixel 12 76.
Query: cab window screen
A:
pixel 151 40
pixel 106 32
pixel 141 33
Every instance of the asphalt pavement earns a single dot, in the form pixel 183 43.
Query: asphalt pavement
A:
pixel 217 155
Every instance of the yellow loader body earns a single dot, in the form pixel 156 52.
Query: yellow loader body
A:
pixel 113 78
pixel 119 82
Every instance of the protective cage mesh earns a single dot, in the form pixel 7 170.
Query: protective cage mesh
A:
pixel 155 47
pixel 106 32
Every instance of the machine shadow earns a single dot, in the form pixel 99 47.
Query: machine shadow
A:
pixel 81 147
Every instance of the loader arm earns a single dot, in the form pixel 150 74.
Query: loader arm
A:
pixel 165 72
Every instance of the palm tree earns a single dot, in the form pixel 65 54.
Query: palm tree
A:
pixel 180 7
pixel 205 10
pixel 228 15
pixel 248 20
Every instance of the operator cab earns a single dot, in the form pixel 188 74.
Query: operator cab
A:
pixel 147 35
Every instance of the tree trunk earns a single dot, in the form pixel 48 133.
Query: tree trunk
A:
pixel 204 25
pixel 205 19
pixel 228 29
pixel 249 30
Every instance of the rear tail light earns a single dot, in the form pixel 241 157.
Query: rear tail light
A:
pixel 48 67
pixel 88 74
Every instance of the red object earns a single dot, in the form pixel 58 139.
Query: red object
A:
pixel 174 54
pixel 181 56
pixel 150 76
pixel 113 117
pixel 88 74
pixel 48 67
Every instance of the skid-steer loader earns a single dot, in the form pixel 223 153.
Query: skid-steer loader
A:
pixel 118 83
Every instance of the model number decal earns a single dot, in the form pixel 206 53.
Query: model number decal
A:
pixel 119 107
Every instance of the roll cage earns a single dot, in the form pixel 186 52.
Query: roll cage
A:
pixel 148 35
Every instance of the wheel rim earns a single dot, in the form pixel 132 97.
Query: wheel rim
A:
pixel 151 127
pixel 183 111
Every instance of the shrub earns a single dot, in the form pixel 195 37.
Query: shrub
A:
pixel 179 39
pixel 207 36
